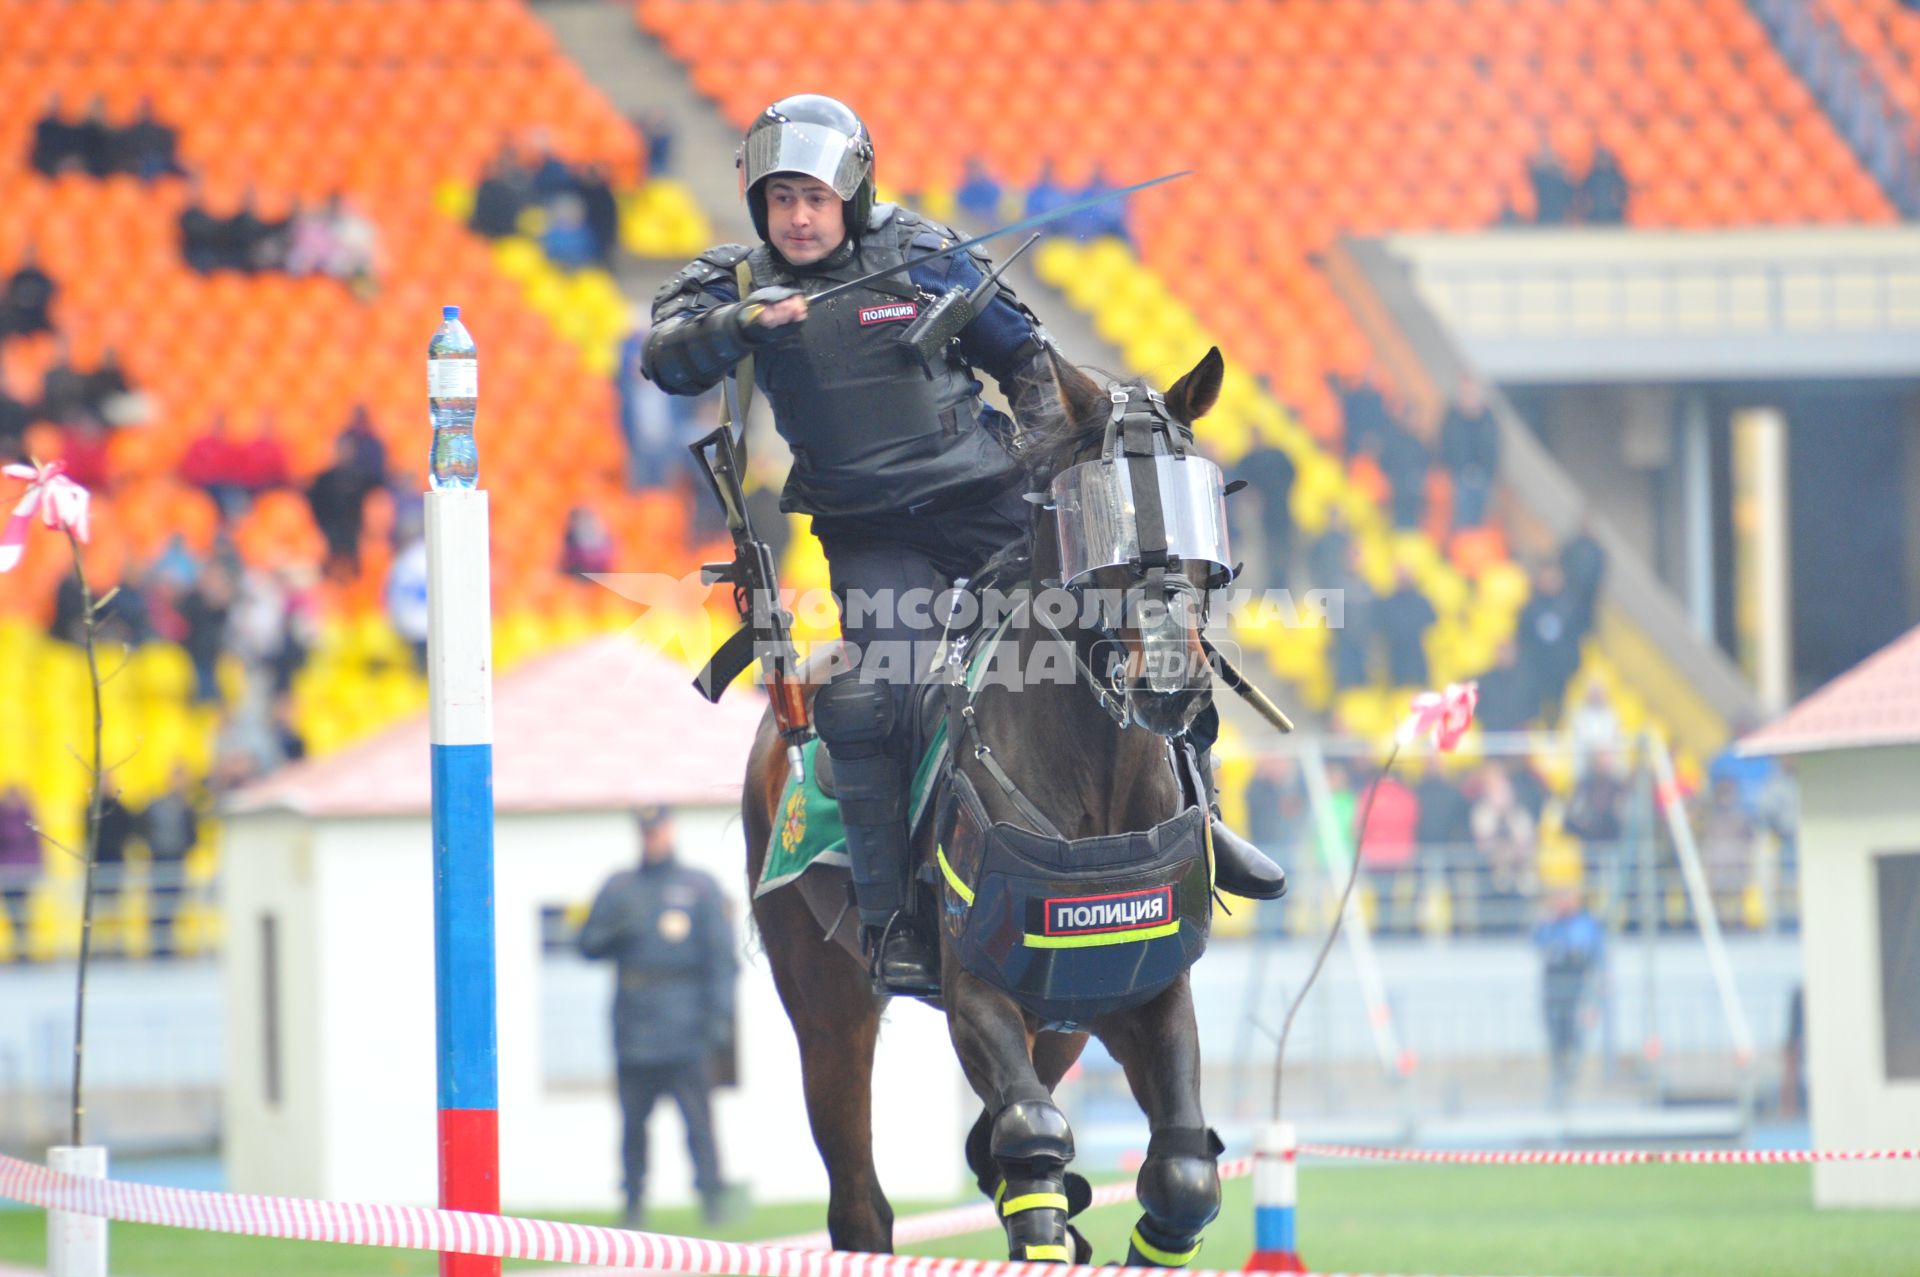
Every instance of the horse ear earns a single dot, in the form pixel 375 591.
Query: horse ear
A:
pixel 1194 395
pixel 1080 395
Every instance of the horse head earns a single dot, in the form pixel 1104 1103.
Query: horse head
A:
pixel 1137 535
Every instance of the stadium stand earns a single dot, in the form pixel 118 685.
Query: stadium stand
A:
pixel 392 104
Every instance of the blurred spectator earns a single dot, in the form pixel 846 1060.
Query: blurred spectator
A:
pixel 123 619
pixel 216 462
pixel 1363 411
pixel 1595 815
pixel 1444 830
pixel 1277 814
pixel 1602 197
pixel 656 131
pixel 110 397
pixel 407 595
pixel 1403 618
pixel 979 195
pixel 1353 641
pixel 600 211
pixel 1269 474
pixel 1572 948
pixel 338 496
pixel 241 238
pixel 1583 566
pixel 56 140
pixel 146 147
pixel 336 241
pixel 1726 848
pixel 1045 194
pixel 588 547
pixel 1553 190
pixel 118 826
pixel 1509 698
pixel 551 176
pixel 286 733
pixel 1503 836
pixel 567 242
pixel 368 449
pixel 1107 219
pixel 1387 848
pixel 84 449
pixel 1327 557
pixel 1405 460
pixel 171 827
pixel 63 391
pixel 27 297
pixel 654 453
pixel 505 188
pixel 409 507
pixel 1593 726
pixel 205 610
pixel 15 417
pixel 95 139
pixel 19 858
pixel 1549 644
pixel 200 233
pixel 1470 450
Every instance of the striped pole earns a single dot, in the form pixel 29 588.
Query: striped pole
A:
pixel 1275 1183
pixel 460 685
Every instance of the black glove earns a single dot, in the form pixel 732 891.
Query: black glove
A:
pixel 756 335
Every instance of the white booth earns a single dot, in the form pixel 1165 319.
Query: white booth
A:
pixel 1858 744
pixel 328 895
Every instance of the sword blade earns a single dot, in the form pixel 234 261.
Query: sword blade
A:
pixel 1025 223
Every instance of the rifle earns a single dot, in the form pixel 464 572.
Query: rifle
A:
pixel 766 630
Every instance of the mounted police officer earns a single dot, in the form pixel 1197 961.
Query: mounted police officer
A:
pixel 666 926
pixel 911 480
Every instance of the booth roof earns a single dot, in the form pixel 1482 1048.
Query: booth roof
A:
pixel 605 724
pixel 1877 702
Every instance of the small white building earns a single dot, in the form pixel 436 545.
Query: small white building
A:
pixel 328 894
pixel 1858 745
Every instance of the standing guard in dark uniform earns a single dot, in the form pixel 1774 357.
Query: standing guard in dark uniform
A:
pixel 911 480
pixel 666 926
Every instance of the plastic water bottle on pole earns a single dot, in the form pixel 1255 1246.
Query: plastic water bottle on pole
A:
pixel 460 694
pixel 453 395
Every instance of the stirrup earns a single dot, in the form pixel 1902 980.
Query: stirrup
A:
pixel 909 974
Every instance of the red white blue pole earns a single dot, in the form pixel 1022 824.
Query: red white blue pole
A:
pixel 460 684
pixel 1275 1186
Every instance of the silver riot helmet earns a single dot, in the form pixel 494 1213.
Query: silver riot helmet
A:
pixel 814 135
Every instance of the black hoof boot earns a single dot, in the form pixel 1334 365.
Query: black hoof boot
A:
pixel 1242 868
pixel 902 960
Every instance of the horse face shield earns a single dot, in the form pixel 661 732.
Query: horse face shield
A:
pixel 1097 515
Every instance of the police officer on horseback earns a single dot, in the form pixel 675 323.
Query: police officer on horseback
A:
pixel 912 481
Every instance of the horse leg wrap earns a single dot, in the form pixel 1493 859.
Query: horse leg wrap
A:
pixel 1032 1144
pixel 854 719
pixel 1179 1188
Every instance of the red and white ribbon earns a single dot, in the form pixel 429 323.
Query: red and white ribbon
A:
pixel 58 501
pixel 1445 715
pixel 1608 1157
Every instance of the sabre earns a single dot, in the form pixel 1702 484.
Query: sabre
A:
pixel 1025 223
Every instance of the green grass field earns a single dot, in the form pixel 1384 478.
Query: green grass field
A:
pixel 1660 1221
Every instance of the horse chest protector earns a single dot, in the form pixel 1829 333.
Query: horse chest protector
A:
pixel 1074 928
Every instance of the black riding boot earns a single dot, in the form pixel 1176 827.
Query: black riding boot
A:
pixel 1239 867
pixel 873 807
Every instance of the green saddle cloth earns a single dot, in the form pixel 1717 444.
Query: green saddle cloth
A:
pixel 806 826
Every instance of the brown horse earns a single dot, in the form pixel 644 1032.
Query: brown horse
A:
pixel 1091 772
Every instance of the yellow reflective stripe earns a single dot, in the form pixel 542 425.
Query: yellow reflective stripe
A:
pixel 1165 1258
pixel 1034 1201
pixel 1101 938
pixel 999 1191
pixel 1049 1252
pixel 960 889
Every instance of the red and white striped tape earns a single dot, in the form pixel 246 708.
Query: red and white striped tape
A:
pixel 1608 1157
pixel 419 1228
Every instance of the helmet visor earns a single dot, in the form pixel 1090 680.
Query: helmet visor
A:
pixel 817 150
pixel 1094 514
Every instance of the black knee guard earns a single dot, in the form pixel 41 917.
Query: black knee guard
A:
pixel 1031 1145
pixel 855 719
pixel 1179 1189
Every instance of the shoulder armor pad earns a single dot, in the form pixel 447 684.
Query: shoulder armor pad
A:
pixel 882 214
pixel 710 267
